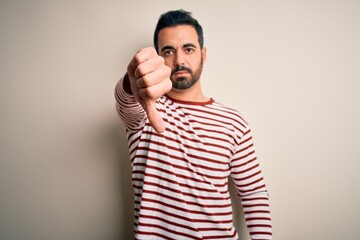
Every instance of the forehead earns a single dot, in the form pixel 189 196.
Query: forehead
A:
pixel 178 35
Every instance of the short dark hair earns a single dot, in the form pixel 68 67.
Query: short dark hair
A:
pixel 175 18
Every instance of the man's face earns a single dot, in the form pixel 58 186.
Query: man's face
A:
pixel 180 48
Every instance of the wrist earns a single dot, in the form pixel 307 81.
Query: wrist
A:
pixel 126 84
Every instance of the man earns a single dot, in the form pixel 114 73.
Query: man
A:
pixel 183 145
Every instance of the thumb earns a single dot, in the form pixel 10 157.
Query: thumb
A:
pixel 154 117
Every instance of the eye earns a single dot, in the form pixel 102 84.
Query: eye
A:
pixel 168 52
pixel 189 50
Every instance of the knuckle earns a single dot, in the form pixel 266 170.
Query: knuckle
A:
pixel 146 93
pixel 145 81
pixel 151 50
pixel 139 82
pixel 161 60
pixel 168 70
pixel 169 85
pixel 137 59
pixel 149 93
pixel 130 70
pixel 140 70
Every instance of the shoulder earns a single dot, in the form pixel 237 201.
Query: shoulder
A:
pixel 232 116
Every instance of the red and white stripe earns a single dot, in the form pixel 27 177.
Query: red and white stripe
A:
pixel 180 177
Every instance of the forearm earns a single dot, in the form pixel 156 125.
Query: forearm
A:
pixel 128 108
pixel 257 215
pixel 248 179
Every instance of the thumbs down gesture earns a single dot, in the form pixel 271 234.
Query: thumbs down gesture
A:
pixel 149 79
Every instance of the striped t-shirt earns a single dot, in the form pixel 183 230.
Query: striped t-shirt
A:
pixel 180 177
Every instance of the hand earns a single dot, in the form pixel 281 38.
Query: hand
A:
pixel 149 79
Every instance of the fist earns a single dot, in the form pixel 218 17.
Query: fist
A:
pixel 149 79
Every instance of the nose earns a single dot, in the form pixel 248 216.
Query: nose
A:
pixel 179 59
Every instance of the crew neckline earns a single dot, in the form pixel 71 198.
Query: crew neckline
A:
pixel 210 101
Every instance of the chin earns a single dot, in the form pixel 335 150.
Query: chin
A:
pixel 179 90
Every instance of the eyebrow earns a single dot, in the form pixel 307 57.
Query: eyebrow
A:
pixel 189 45
pixel 168 47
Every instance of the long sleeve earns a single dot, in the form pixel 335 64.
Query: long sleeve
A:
pixel 248 179
pixel 129 110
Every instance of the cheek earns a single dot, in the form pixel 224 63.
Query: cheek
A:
pixel 169 62
pixel 198 60
pixel 196 64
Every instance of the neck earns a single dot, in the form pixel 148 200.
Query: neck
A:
pixel 193 94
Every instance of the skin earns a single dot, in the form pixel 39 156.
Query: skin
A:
pixel 150 76
pixel 179 46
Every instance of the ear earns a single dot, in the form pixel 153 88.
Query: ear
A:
pixel 203 54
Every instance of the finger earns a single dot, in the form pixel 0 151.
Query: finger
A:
pixel 155 91
pixel 143 55
pixel 150 65
pixel 153 78
pixel 154 117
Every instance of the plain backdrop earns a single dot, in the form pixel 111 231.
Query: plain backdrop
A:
pixel 292 68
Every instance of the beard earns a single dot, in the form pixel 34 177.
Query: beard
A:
pixel 182 82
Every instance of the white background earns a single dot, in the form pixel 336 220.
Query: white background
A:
pixel 292 68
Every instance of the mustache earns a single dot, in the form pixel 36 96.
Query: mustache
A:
pixel 180 68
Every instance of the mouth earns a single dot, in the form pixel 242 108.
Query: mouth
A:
pixel 181 72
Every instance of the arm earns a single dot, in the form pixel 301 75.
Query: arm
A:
pixel 128 108
pixel 248 179
pixel 146 80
